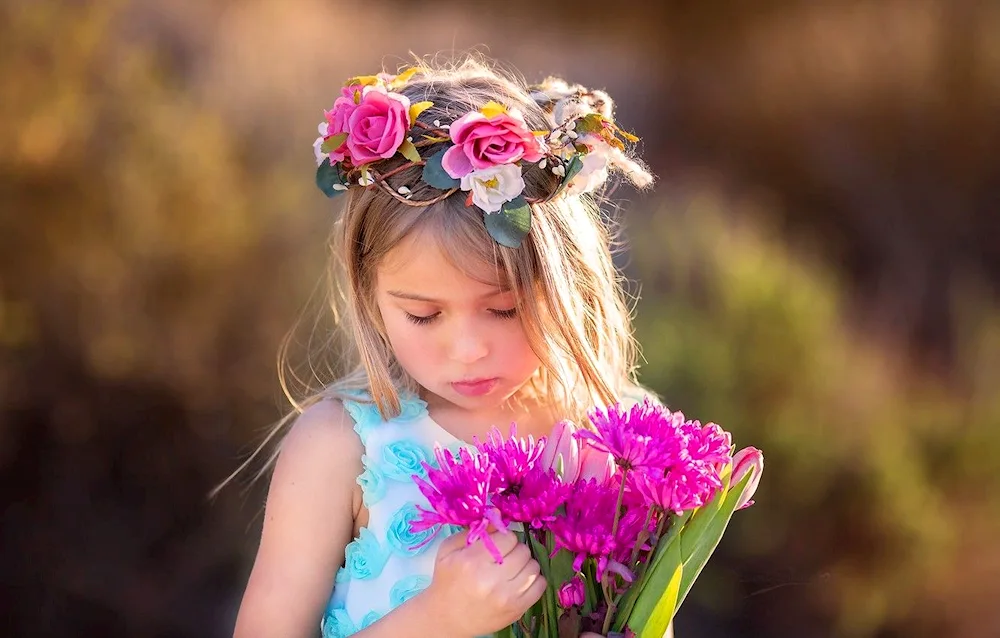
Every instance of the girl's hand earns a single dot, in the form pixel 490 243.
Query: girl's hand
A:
pixel 471 595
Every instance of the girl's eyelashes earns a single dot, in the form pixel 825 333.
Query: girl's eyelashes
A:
pixel 510 313
pixel 419 320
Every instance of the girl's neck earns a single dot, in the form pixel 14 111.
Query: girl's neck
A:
pixel 532 416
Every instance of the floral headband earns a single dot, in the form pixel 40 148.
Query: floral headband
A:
pixel 488 149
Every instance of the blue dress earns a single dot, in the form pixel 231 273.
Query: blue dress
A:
pixel 386 564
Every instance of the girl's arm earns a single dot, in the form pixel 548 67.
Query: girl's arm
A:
pixel 308 521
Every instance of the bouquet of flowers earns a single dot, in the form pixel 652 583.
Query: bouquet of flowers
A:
pixel 621 517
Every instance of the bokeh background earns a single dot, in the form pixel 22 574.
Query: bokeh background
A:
pixel 819 267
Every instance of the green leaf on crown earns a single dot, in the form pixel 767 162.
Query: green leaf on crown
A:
pixel 574 166
pixel 589 123
pixel 329 179
pixel 409 151
pixel 511 223
pixel 333 142
pixel 436 176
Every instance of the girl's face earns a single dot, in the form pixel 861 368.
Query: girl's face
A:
pixel 459 338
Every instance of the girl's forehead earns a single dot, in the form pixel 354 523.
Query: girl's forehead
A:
pixel 418 263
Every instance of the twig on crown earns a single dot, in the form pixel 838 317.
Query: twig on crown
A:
pixel 415 203
pixel 396 170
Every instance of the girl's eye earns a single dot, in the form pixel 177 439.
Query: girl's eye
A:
pixel 421 321
pixel 505 314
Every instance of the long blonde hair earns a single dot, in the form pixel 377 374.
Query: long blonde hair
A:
pixel 571 300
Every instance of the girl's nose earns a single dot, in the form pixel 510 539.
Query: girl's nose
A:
pixel 468 346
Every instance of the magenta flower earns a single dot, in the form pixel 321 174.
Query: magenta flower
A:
pixel 642 436
pixel 585 529
pixel 572 593
pixel 377 126
pixel 534 500
pixel 458 491
pixel 690 476
pixel 513 457
pixel 337 117
pixel 483 142
pixel 525 490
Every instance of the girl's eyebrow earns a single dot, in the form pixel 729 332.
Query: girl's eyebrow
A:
pixel 414 296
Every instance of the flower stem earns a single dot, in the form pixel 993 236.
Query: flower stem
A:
pixel 645 526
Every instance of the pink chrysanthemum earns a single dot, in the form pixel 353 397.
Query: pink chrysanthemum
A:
pixel 525 490
pixel 458 491
pixel 586 528
pixel 513 457
pixel 690 477
pixel 639 437
pixel 534 500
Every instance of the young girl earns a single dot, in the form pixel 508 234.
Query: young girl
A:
pixel 478 291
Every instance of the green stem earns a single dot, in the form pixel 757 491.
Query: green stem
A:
pixel 645 526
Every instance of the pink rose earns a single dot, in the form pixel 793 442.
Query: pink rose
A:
pixel 483 142
pixel 378 126
pixel 337 117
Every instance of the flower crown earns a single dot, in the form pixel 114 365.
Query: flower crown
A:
pixel 487 149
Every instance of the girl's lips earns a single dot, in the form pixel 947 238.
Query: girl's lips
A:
pixel 475 387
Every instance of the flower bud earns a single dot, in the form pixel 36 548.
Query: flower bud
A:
pixel 572 594
pixel 749 459
pixel 562 451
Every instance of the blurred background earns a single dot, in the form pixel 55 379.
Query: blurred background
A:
pixel 819 267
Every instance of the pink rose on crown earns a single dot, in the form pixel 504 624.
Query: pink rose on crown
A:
pixel 483 142
pixel 377 126
pixel 336 123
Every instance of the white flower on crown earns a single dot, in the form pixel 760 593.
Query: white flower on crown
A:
pixel 492 187
pixel 595 166
pixel 318 144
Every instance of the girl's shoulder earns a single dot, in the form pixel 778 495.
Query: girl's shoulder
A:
pixel 325 426
pixel 634 393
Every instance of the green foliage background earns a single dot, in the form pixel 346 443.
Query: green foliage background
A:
pixel 160 232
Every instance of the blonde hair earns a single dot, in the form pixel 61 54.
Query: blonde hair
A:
pixel 570 298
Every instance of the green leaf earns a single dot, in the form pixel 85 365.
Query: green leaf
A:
pixel 506 632
pixel 663 613
pixel 538 553
pixel 694 543
pixel 640 601
pixel 333 142
pixel 574 166
pixel 511 223
pixel 697 558
pixel 409 151
pixel 561 568
pixel 435 175
pixel 590 123
pixel 329 178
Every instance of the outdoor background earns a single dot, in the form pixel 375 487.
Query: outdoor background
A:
pixel 819 267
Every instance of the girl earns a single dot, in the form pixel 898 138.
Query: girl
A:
pixel 478 290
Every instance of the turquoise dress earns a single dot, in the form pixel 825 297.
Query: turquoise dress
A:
pixel 385 565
